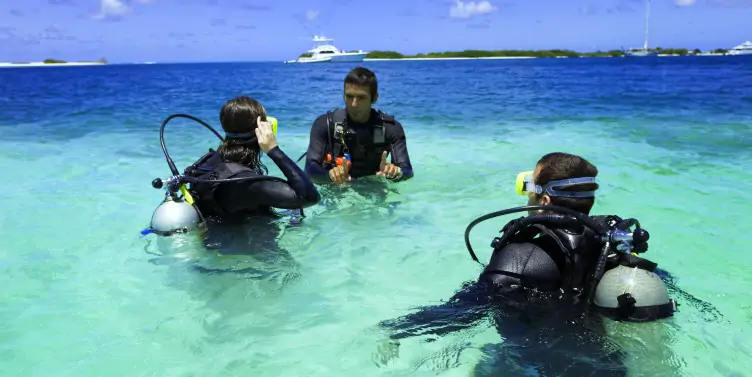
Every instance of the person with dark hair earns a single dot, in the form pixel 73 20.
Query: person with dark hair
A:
pixel 537 274
pixel 355 142
pixel 247 135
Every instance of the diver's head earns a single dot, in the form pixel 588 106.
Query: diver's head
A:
pixel 238 118
pixel 361 91
pixel 560 179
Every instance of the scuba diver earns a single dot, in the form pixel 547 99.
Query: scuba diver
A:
pixel 354 142
pixel 229 186
pixel 247 132
pixel 552 268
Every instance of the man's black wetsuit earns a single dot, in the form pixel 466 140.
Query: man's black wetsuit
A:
pixel 244 198
pixel 542 326
pixel 363 140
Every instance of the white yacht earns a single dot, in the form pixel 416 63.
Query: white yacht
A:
pixel 324 51
pixel 643 52
pixel 742 49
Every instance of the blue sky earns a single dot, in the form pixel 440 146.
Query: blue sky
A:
pixel 248 30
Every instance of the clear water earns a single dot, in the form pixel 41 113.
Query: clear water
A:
pixel 86 295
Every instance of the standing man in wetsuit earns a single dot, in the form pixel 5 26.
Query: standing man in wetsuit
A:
pixel 356 141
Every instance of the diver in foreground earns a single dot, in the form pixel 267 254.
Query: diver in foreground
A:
pixel 548 272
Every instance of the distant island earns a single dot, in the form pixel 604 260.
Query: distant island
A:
pixel 500 54
pixel 51 62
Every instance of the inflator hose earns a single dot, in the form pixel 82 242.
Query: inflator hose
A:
pixel 572 217
pixel 171 163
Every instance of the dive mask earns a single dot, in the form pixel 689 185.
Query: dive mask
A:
pixel 252 136
pixel 525 185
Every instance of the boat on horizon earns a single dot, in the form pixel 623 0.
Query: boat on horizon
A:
pixel 324 51
pixel 742 49
pixel 644 51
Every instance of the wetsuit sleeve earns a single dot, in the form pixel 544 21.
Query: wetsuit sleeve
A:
pixel 400 157
pixel 317 144
pixel 297 192
pixel 462 311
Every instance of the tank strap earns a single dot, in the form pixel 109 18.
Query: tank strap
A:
pixel 628 311
pixel 568 257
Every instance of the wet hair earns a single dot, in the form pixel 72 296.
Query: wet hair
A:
pixel 558 165
pixel 239 115
pixel 364 78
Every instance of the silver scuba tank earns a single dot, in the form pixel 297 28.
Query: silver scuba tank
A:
pixel 174 216
pixel 633 294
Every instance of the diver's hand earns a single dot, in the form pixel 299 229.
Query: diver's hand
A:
pixel 390 171
pixel 265 135
pixel 340 173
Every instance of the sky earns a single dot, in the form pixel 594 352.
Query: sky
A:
pixel 268 30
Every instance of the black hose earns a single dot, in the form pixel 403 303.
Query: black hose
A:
pixel 600 268
pixel 171 163
pixel 574 216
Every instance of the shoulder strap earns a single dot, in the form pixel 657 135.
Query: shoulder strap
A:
pixel 338 116
pixel 336 121
pixel 232 169
pixel 379 132
pixel 203 165
pixel 569 261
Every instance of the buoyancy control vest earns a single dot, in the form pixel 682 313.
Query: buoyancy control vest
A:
pixel 211 167
pixel 343 140
pixel 576 257
pixel 579 251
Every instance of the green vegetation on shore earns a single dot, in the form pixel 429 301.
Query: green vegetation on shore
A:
pixel 525 53
pixel 56 61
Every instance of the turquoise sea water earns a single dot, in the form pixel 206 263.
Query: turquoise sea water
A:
pixel 86 295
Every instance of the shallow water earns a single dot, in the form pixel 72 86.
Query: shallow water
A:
pixel 86 295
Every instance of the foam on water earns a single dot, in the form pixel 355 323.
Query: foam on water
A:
pixel 85 295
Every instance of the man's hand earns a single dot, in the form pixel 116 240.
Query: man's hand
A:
pixel 341 173
pixel 390 171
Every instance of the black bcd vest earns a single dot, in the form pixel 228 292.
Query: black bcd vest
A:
pixel 211 167
pixel 579 250
pixel 339 131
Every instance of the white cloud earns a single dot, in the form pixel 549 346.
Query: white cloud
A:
pixel 461 9
pixel 312 15
pixel 684 3
pixel 111 8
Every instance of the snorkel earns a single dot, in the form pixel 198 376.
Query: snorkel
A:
pixel 178 212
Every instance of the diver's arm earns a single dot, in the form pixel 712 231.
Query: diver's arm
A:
pixel 400 157
pixel 317 144
pixel 462 311
pixel 297 192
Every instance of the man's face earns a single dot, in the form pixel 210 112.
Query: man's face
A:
pixel 358 102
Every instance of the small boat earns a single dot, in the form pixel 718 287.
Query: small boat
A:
pixel 742 49
pixel 324 51
pixel 643 52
